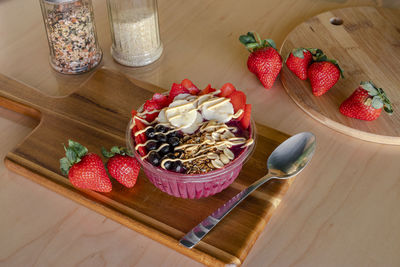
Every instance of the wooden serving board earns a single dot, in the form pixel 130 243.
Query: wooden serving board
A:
pixel 367 46
pixel 97 115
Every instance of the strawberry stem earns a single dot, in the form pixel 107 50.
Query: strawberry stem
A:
pixel 73 154
pixel 253 42
pixel 378 97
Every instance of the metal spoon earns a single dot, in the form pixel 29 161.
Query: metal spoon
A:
pixel 287 160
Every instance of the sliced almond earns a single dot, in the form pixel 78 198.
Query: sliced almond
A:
pixel 215 135
pixel 212 156
pixel 224 158
pixel 217 163
pixel 229 154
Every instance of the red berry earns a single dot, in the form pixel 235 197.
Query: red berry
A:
pixel 193 90
pixel 85 170
pixel 177 89
pixel 160 100
pixel 366 103
pixel 151 105
pixel 124 169
pixel 265 63
pixel 207 90
pixel 90 173
pixel 298 62
pixel 323 75
pixel 226 90
pixel 238 100
pixel 245 122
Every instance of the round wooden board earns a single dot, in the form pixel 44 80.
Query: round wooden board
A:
pixel 367 46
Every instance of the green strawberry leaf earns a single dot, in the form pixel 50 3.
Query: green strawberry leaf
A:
pixel 106 153
pixel 246 39
pixel 78 148
pixel 64 165
pixel 115 150
pixel 271 43
pixel 377 102
pixel 298 52
pixel 71 155
pixel 372 90
pixel 251 46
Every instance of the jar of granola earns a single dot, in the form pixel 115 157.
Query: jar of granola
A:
pixel 71 34
pixel 135 32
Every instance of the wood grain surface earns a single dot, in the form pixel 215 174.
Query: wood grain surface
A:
pixel 367 47
pixel 341 211
pixel 97 115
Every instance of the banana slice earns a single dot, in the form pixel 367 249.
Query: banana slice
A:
pixel 181 96
pixel 220 110
pixel 161 116
pixel 191 129
pixel 181 113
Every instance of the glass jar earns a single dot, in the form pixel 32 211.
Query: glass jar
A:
pixel 71 34
pixel 135 32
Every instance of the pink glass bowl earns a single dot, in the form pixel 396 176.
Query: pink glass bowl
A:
pixel 193 185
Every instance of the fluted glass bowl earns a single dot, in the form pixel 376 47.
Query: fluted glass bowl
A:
pixel 193 185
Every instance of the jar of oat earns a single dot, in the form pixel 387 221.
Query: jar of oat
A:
pixel 135 32
pixel 71 34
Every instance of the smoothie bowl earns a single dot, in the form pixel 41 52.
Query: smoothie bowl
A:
pixel 192 143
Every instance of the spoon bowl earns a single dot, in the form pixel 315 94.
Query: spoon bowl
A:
pixel 287 160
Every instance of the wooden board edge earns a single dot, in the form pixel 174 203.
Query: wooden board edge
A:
pixel 202 257
pixel 349 131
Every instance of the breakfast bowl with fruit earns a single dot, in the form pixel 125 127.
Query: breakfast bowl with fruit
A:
pixel 192 143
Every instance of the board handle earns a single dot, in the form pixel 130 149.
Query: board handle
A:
pixel 21 98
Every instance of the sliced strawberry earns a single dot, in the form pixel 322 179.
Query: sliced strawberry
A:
pixel 151 105
pixel 238 100
pixel 139 139
pixel 245 122
pixel 133 113
pixel 160 99
pixel 226 90
pixel 177 89
pixel 142 151
pixel 207 90
pixel 193 90
pixel 141 126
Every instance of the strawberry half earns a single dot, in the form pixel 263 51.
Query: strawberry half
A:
pixel 207 90
pixel 366 103
pixel 245 122
pixel 238 100
pixel 151 105
pixel 121 165
pixel 161 100
pixel 177 89
pixel 264 60
pixel 298 61
pixel 85 170
pixel 226 90
pixel 193 90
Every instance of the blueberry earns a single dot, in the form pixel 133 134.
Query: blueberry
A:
pixel 173 141
pixel 165 149
pixel 152 145
pixel 168 164
pixel 178 167
pixel 161 129
pixel 150 133
pixel 161 138
pixel 170 156
pixel 154 158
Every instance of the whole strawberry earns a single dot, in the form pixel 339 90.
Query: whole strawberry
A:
pixel 366 103
pixel 264 61
pixel 85 170
pixel 298 61
pixel 121 166
pixel 323 74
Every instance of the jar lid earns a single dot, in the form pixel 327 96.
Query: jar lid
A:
pixel 60 1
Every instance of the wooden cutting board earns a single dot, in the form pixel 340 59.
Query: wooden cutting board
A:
pixel 97 115
pixel 367 46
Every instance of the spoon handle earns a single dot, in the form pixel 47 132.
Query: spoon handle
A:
pixel 198 232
